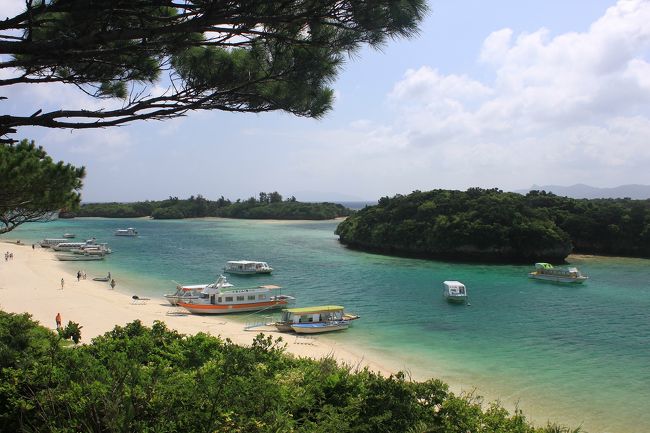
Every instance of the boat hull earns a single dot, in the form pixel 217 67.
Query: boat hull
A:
pixel 237 272
pixel 231 308
pixel 78 258
pixel 558 279
pixel 456 299
pixel 319 328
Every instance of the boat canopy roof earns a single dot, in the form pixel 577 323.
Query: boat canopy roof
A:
pixel 542 265
pixel 453 284
pixel 316 309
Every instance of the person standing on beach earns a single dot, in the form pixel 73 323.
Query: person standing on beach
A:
pixel 78 275
pixel 58 320
pixel 62 283
pixel 113 283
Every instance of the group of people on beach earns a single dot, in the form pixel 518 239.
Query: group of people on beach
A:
pixel 9 256
pixel 81 275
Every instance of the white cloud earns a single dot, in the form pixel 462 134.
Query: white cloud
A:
pixel 557 105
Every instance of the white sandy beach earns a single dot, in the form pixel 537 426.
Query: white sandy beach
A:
pixel 31 283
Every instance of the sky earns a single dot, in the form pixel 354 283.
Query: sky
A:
pixel 501 94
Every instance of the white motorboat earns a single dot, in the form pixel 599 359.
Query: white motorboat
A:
pixel 79 257
pixel 69 235
pixel 546 272
pixel 318 328
pixel 454 291
pixel 126 232
pixel 247 267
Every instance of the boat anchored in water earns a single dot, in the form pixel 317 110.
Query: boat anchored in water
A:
pixel 247 267
pixel 79 257
pixel 546 272
pixel 220 299
pixel 454 291
pixel 313 320
pixel 126 232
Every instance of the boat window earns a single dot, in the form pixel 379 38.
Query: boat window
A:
pixel 219 299
pixel 240 298
pixel 261 297
pixel 251 297
pixel 228 298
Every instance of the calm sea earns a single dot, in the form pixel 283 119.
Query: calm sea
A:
pixel 577 355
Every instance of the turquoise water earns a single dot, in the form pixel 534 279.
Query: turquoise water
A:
pixel 571 354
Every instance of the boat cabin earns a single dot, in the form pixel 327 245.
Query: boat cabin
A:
pixel 247 267
pixel 454 291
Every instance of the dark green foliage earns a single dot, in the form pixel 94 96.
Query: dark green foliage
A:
pixel 269 206
pixel 32 186
pixel 490 225
pixel 138 379
pixel 72 331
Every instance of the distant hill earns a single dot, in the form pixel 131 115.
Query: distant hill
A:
pixel 637 192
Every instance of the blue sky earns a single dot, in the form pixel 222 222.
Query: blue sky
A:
pixel 502 94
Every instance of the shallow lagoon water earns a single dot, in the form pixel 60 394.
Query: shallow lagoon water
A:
pixel 572 354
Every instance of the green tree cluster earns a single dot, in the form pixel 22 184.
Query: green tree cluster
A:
pixel 139 379
pixel 491 225
pixel 32 186
pixel 479 224
pixel 269 206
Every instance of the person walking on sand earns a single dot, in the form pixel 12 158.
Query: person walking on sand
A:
pixel 58 320
pixel 113 283
pixel 62 283
pixel 78 275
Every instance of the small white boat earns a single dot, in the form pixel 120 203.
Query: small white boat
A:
pixel 313 315
pixel 79 257
pixel 247 267
pixel 186 293
pixel 318 328
pixel 69 235
pixel 546 272
pixel 126 232
pixel 454 291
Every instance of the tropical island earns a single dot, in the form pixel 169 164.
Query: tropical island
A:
pixel 267 206
pixel 490 225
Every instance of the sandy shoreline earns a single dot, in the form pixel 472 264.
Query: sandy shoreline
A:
pixel 31 283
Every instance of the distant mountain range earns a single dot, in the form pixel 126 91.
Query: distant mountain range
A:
pixel 638 192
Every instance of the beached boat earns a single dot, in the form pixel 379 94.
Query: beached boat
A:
pixel 126 232
pixel 79 257
pixel 185 293
pixel 50 242
pixel 69 235
pixel 313 315
pixel 69 246
pixel 218 299
pixel 546 272
pixel 454 291
pixel 247 267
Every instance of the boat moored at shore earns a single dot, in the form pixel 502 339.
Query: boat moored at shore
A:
pixel 79 257
pixel 247 267
pixel 219 299
pixel 185 293
pixel 546 272
pixel 292 319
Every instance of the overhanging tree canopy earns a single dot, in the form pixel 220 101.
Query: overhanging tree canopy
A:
pixel 243 56
pixel 32 186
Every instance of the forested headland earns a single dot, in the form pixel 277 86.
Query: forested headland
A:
pixel 267 206
pixel 140 379
pixel 490 225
